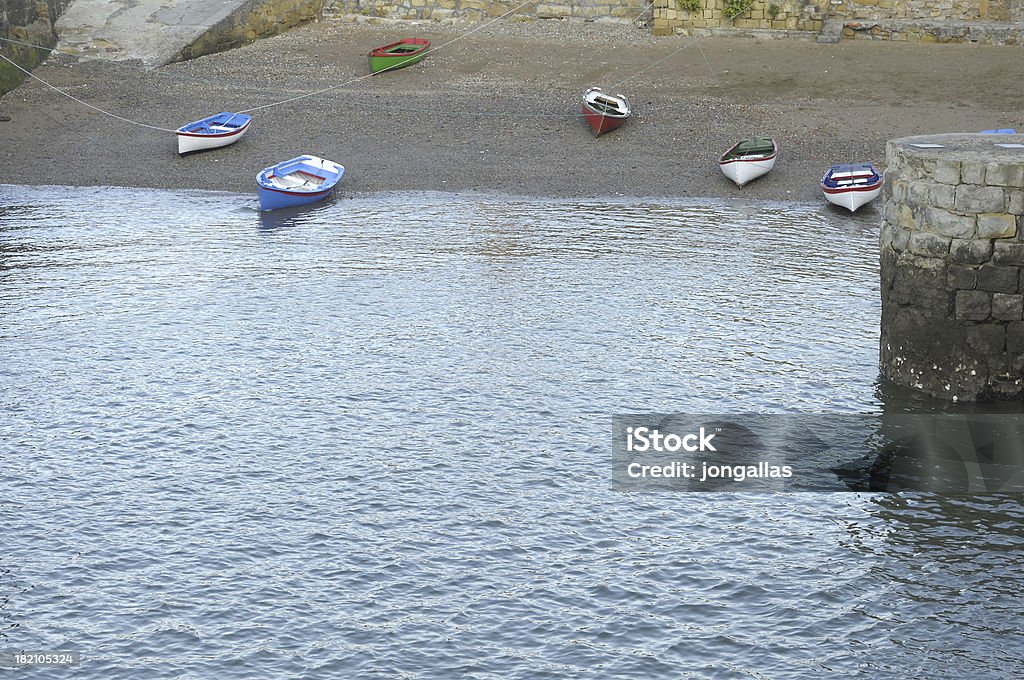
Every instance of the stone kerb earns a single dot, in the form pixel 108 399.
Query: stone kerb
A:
pixel 952 253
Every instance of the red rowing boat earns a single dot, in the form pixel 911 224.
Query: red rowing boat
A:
pixel 604 112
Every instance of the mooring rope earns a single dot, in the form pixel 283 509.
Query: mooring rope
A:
pixel 643 11
pixel 393 66
pixel 711 70
pixel 660 61
pixel 404 109
pixel 255 108
pixel 172 75
pixel 83 103
pixel 456 112
pixel 305 95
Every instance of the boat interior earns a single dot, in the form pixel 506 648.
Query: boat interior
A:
pixel 297 181
pixel 752 147
pixel 227 124
pixel 852 178
pixel 608 105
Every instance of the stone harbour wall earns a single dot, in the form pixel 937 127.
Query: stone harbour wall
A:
pixel 982 21
pixel 687 16
pixel 479 10
pixel 986 21
pixel 952 266
pixel 28 21
pixel 255 19
pixel 948 10
pixel 937 32
pixel 995 22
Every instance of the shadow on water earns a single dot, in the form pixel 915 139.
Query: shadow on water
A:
pixel 286 218
pixel 918 443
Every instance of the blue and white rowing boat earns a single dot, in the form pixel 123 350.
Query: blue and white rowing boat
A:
pixel 851 185
pixel 299 181
pixel 209 133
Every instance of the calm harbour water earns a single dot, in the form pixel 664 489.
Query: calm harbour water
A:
pixel 372 440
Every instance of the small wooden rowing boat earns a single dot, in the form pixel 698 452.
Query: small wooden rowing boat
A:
pixel 405 52
pixel 213 132
pixel 748 159
pixel 299 181
pixel 604 112
pixel 851 185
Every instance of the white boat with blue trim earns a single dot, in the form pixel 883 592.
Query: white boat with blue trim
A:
pixel 299 181
pixel 851 185
pixel 212 132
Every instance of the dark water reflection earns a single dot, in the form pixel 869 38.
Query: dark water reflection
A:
pixel 372 440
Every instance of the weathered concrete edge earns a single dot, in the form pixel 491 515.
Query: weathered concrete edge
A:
pixel 251 20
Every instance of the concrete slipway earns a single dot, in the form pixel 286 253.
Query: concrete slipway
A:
pixel 158 32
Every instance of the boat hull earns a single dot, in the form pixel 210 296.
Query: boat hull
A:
pixel 297 182
pixel 851 185
pixel 405 52
pixel 743 171
pixel 749 159
pixel 853 198
pixel 600 123
pixel 209 133
pixel 378 64
pixel 604 112
pixel 273 199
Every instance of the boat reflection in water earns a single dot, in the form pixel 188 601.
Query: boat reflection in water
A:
pixel 296 216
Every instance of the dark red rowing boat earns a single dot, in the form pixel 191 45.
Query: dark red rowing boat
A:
pixel 604 112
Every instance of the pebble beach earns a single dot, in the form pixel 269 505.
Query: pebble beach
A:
pixel 496 110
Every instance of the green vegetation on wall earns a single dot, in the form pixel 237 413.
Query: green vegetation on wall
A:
pixel 734 8
pixel 27 57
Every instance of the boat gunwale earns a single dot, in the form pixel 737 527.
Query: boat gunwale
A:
pixel 182 131
pixel 209 135
pixel 327 183
pixel 380 53
pixel 829 185
pixel 297 192
pixel 852 188
pixel 723 160
pixel 623 109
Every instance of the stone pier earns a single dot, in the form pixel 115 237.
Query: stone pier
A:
pixel 952 253
pixel 157 32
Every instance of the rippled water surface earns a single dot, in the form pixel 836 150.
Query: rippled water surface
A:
pixel 372 440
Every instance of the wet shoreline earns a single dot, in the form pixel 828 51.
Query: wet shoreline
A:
pixel 506 119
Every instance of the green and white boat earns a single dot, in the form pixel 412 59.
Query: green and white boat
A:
pixel 405 52
pixel 748 159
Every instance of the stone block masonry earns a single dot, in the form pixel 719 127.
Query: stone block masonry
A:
pixel 999 22
pixel 952 266
pixel 28 21
pixel 781 17
pixel 623 11
pixel 253 19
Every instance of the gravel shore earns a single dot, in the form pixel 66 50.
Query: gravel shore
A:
pixel 498 110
